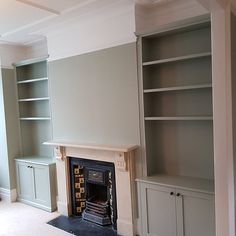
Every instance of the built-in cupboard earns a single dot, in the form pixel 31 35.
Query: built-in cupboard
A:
pixel 176 192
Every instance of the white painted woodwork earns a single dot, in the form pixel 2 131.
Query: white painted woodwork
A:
pixel 180 119
pixel 198 213
pixel 25 181
pixel 150 19
pixel 123 159
pixel 34 109
pixel 36 182
pixel 160 211
pixel 186 183
pixel 223 149
pixel 167 210
pixel 118 148
pixel 175 122
pixel 187 87
pixel 181 58
pixel 31 80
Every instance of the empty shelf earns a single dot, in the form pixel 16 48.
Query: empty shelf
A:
pixel 35 118
pixel 180 118
pixel 181 58
pixel 32 80
pixel 177 88
pixel 33 99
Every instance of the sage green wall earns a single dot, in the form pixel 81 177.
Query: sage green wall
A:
pixel 4 166
pixel 94 97
pixel 12 122
pixel 10 137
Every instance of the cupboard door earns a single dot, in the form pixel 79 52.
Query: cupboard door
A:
pixel 158 212
pixel 24 181
pixel 197 213
pixel 41 185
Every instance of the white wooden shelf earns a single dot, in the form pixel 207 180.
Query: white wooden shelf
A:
pixel 33 99
pixel 35 118
pixel 93 146
pixel 177 88
pixel 181 58
pixel 183 182
pixel 179 118
pixel 32 80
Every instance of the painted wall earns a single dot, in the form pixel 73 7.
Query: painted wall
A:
pixel 4 166
pixel 94 97
pixel 9 129
pixel 105 27
pixel 12 122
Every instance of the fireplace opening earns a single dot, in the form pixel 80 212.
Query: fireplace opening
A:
pixel 93 191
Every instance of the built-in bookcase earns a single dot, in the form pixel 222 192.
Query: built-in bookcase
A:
pixel 34 107
pixel 176 102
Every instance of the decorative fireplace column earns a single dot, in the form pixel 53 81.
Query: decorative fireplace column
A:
pixel 123 159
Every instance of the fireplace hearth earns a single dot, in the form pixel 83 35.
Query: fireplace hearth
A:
pixel 93 191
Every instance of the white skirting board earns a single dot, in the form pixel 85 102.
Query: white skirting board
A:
pixel 8 195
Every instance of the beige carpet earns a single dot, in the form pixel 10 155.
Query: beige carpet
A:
pixel 22 220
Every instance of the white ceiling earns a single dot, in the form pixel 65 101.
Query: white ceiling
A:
pixel 22 21
pixel 19 19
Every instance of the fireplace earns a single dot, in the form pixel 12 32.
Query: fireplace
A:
pixel 121 157
pixel 93 191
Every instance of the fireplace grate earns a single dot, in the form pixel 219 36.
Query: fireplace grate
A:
pixel 93 191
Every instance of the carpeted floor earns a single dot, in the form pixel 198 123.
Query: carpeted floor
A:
pixel 18 219
pixel 80 227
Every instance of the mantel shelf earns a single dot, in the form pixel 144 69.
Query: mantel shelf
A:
pixel 181 58
pixel 118 148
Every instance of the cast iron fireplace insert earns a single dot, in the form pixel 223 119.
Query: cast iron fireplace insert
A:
pixel 93 191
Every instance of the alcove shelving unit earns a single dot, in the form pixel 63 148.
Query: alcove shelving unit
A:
pixel 34 106
pixel 176 131
pixel 35 168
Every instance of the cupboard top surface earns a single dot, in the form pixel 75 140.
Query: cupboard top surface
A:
pixel 36 160
pixel 182 182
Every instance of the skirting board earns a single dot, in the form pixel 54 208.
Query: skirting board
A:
pixel 8 195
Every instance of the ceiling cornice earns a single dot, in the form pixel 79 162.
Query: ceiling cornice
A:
pixel 42 7
pixel 114 7
pixel 49 20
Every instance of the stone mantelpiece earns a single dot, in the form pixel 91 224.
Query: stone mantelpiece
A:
pixel 121 156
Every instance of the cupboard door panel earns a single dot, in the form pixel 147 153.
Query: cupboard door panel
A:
pixel 198 213
pixel 25 185
pixel 158 210
pixel 41 185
